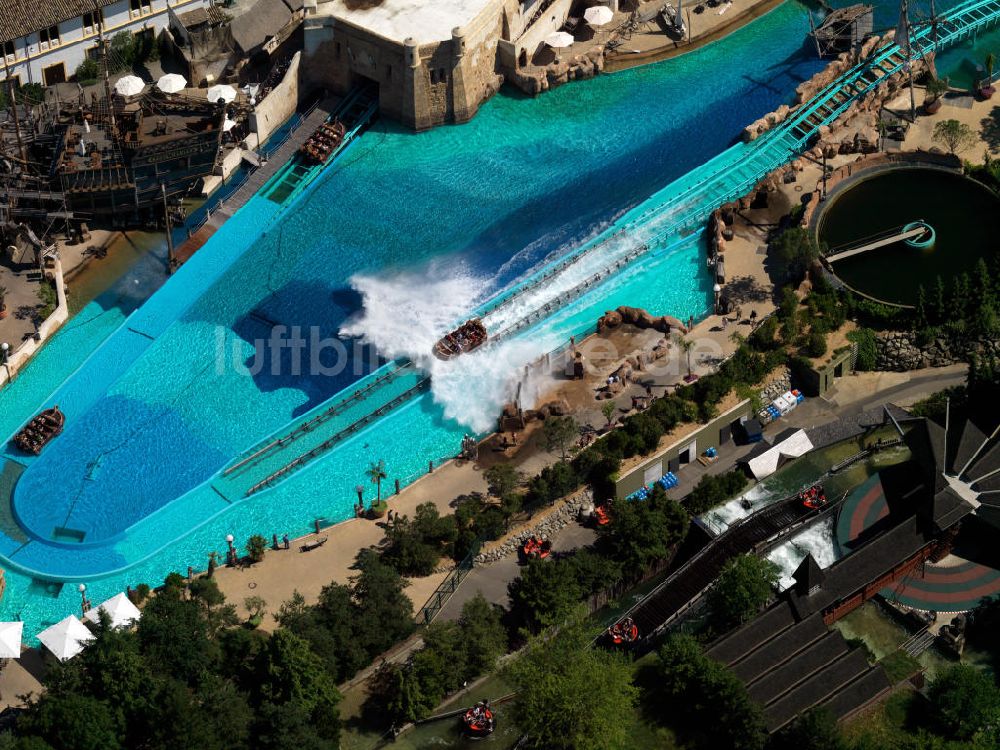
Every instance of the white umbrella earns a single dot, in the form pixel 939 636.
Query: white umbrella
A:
pixel 123 613
pixel 228 125
pixel 559 39
pixel 221 91
pixel 171 83
pixel 66 638
pixel 130 85
pixel 10 639
pixel 599 15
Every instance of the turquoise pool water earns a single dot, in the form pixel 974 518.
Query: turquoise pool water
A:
pixel 130 491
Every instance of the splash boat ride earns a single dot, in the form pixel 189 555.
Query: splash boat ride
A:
pixel 467 337
pixel 323 142
pixel 40 431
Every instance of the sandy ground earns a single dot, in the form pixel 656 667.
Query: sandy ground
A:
pixel 982 116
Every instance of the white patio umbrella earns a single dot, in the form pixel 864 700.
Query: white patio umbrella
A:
pixel 10 639
pixel 559 39
pixel 123 613
pixel 599 15
pixel 171 83
pixel 221 91
pixel 66 638
pixel 130 85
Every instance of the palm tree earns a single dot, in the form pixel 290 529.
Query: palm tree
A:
pixel 376 473
pixel 686 346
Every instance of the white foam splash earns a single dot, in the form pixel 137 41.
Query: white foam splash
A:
pixel 817 540
pixel 405 314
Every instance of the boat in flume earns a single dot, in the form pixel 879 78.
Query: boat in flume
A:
pixel 40 431
pixel 470 335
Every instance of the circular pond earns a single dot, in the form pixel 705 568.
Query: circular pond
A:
pixel 961 212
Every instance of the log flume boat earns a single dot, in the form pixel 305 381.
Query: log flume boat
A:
pixel 321 144
pixel 40 431
pixel 468 336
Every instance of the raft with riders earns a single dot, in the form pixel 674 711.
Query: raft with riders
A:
pixel 479 720
pixel 623 633
pixel 536 548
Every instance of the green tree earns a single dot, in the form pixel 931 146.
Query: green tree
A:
pixel 643 531
pixel 256 545
pixel 291 674
pixel 376 473
pixel 571 695
pixel 955 136
pixel 206 590
pixel 935 88
pixel 686 346
pixel 964 701
pixel 87 71
pixel 385 613
pixel 544 594
pixel 815 730
pixel 816 346
pixel 558 433
pixel 717 707
pixel 713 490
pixel 73 721
pixel 484 637
pixel 743 587
pixel 502 479
pixel 794 251
pixel 608 409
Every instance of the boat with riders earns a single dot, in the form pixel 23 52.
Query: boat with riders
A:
pixel 323 143
pixel 479 720
pixel 470 335
pixel 40 431
pixel 814 497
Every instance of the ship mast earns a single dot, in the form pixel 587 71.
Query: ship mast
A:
pixel 12 101
pixel 103 46
pixel 903 40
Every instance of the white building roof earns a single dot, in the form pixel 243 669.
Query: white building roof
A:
pixel 797 444
pixel 424 20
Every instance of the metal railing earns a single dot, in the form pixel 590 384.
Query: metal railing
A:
pixel 435 603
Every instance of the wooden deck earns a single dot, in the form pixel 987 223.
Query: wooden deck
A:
pixel 257 179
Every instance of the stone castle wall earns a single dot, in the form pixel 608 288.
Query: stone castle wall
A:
pixel 419 85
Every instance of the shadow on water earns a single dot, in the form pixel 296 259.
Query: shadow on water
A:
pixel 318 362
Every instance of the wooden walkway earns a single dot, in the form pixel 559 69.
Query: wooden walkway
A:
pixel 257 179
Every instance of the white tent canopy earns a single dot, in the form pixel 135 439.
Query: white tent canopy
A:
pixel 122 612
pixel 171 83
pixel 795 445
pixel 599 15
pixel 559 39
pixel 130 85
pixel 66 638
pixel 10 639
pixel 221 91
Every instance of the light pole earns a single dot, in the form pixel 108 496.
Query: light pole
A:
pixel 717 290
pixel 84 602
pixel 231 551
